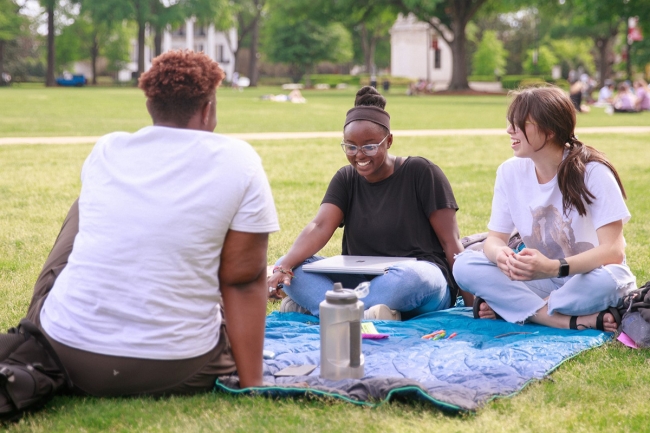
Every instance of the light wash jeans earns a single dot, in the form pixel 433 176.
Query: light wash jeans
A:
pixel 516 301
pixel 413 288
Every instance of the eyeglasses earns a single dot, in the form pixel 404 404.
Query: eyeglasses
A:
pixel 515 127
pixel 367 149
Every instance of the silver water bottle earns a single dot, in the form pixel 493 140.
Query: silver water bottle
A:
pixel 340 333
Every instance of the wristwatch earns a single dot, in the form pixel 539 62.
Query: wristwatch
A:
pixel 564 269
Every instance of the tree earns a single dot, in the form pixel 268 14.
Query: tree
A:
pixel 448 17
pixel 88 38
pixel 600 21
pixel 49 6
pixel 370 20
pixel 490 56
pixel 10 28
pixel 302 43
pixel 371 31
pixel 574 53
pixel 107 34
pixel 546 59
pixel 248 15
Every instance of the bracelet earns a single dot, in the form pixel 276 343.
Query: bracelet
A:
pixel 284 271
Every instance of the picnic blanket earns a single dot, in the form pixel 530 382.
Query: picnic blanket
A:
pixel 486 360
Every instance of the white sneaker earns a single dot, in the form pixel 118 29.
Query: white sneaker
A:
pixel 288 305
pixel 381 312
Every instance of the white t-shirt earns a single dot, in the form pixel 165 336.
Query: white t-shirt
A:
pixel 154 210
pixel 537 213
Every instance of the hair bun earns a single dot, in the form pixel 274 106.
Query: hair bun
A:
pixel 370 97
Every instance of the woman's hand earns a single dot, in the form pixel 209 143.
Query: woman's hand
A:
pixel 530 264
pixel 502 257
pixel 278 278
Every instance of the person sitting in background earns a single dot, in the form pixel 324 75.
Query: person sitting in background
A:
pixel 642 95
pixel 387 206
pixel 606 94
pixel 172 222
pixel 624 101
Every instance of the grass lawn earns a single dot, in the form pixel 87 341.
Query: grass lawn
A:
pixel 596 391
pixel 31 111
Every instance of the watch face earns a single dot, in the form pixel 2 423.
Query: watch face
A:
pixel 564 268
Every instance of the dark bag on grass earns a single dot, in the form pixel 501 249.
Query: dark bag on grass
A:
pixel 30 371
pixel 636 315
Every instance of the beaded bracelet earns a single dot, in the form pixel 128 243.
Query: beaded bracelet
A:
pixel 284 271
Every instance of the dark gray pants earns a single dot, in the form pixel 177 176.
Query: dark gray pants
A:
pixel 107 376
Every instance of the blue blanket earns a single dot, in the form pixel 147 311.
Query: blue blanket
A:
pixel 487 359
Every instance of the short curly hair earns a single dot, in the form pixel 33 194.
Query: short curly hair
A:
pixel 179 83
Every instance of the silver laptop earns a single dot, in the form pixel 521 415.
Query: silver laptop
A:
pixel 369 265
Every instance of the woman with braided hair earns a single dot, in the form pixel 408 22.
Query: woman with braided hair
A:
pixel 567 202
pixel 387 206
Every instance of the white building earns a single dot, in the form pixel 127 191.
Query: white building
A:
pixel 218 45
pixel 418 52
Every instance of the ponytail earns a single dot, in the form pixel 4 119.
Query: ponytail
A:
pixel 571 175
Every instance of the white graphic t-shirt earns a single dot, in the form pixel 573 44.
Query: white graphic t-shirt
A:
pixel 537 213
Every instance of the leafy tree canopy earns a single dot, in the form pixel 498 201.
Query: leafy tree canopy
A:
pixel 490 57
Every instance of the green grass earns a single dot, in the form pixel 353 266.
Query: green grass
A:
pixel 601 390
pixel 30 111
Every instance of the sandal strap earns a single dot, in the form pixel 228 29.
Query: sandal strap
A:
pixel 573 322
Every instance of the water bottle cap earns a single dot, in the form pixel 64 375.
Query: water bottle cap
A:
pixel 339 295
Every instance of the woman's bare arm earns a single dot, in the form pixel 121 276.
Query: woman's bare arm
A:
pixel 311 240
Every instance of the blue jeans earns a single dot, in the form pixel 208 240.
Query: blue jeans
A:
pixel 516 301
pixel 413 288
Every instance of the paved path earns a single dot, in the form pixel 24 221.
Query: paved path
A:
pixel 252 136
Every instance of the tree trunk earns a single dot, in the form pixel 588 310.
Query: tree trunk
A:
pixel 2 60
pixel 157 41
pixel 94 53
pixel 369 47
pixel 49 77
pixel 253 72
pixel 141 42
pixel 459 54
pixel 603 45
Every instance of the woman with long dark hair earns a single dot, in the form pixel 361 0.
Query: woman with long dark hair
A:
pixel 567 202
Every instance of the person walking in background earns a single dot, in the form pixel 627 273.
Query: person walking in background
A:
pixel 575 94
pixel 234 83
pixel 567 202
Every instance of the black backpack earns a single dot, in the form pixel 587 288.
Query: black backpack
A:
pixel 30 371
pixel 636 315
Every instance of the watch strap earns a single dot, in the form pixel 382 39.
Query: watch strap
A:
pixel 564 269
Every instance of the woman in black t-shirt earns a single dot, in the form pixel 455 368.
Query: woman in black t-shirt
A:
pixel 388 206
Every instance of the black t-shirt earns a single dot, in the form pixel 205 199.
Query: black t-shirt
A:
pixel 391 217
